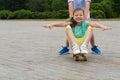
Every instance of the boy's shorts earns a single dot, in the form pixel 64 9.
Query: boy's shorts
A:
pixel 79 41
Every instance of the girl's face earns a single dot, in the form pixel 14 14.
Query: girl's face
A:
pixel 78 16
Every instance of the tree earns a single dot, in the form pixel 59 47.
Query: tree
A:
pixel 14 5
pixel 96 1
pixel 39 5
pixel 116 8
pixel 2 5
pixel 107 5
pixel 59 5
pixel 97 6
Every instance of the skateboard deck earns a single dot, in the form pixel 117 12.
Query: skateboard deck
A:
pixel 79 57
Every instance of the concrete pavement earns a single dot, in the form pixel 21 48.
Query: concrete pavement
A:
pixel 30 52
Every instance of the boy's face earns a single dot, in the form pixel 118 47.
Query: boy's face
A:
pixel 78 16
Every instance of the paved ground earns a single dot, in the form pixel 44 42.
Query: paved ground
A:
pixel 30 52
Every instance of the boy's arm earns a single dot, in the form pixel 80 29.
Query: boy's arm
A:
pixel 87 4
pixel 58 24
pixel 97 25
pixel 70 7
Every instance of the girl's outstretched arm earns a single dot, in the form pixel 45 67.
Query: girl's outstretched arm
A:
pixel 58 24
pixel 97 25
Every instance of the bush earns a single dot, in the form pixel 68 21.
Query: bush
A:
pixel 97 6
pixel 63 14
pixel 21 14
pixel 107 5
pixel 37 15
pixel 47 15
pixel 97 14
pixel 27 14
pixel 4 14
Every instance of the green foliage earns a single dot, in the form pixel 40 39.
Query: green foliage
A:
pixel 64 14
pixel 107 4
pixel 96 1
pixel 2 5
pixel 59 5
pixel 37 15
pixel 116 8
pixel 96 6
pixel 35 5
pixel 13 5
pixel 43 9
pixel 97 11
pixel 21 14
pixel 47 15
pixel 27 14
pixel 98 14
pixel 4 14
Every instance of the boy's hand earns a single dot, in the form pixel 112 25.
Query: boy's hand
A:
pixel 106 28
pixel 48 26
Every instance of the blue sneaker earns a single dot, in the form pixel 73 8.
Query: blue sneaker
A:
pixel 63 50
pixel 95 50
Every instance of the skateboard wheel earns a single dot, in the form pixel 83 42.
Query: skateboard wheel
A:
pixel 81 58
pixel 75 57
pixel 85 58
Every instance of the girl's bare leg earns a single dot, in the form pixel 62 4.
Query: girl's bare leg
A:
pixel 70 37
pixel 88 36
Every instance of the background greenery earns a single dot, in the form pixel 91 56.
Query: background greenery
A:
pixel 52 9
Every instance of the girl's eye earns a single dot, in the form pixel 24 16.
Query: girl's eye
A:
pixel 78 15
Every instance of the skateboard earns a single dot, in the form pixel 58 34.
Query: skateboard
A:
pixel 79 57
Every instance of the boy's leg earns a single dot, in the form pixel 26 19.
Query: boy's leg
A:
pixel 64 49
pixel 70 37
pixel 94 48
pixel 67 43
pixel 92 41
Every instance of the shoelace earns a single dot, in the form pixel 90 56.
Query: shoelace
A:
pixel 84 48
pixel 75 48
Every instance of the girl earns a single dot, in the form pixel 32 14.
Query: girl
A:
pixel 78 31
pixel 85 5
